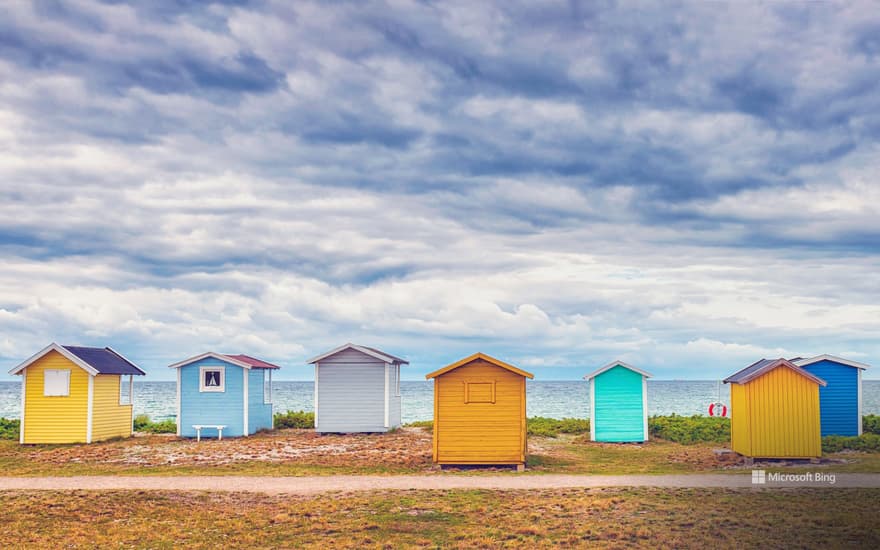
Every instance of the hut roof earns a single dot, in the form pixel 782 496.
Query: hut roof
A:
pixel 372 352
pixel 825 357
pixel 764 366
pixel 484 357
pixel 92 360
pixel 243 361
pixel 613 364
pixel 254 362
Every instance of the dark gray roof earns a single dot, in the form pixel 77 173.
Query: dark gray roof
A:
pixel 105 360
pixel 763 366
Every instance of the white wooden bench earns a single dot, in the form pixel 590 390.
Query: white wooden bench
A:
pixel 198 429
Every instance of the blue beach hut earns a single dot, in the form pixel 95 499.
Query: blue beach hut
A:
pixel 618 403
pixel 840 402
pixel 221 395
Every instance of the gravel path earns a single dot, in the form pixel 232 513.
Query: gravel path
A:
pixel 320 484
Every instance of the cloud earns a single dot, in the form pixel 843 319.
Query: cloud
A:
pixel 684 187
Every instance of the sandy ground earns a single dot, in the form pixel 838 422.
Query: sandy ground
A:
pixel 347 483
pixel 408 447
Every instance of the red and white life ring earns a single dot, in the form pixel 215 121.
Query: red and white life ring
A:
pixel 717 409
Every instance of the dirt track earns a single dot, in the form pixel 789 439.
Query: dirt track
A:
pixel 344 483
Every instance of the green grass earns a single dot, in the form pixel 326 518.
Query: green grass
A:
pixel 552 427
pixel 618 518
pixel 690 429
pixel 867 442
pixel 536 425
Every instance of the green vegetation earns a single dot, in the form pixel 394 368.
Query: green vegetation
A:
pixel 536 425
pixel 871 424
pixel 552 427
pixel 295 419
pixel 142 423
pixel 688 430
pixel 867 442
pixel 9 428
pixel 605 518
pixel 427 425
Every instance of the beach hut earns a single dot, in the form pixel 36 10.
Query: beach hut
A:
pixel 357 389
pixel 223 395
pixel 774 411
pixel 840 402
pixel 618 403
pixel 75 394
pixel 480 412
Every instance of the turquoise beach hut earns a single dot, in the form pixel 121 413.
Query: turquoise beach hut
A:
pixel 223 395
pixel 840 402
pixel 618 403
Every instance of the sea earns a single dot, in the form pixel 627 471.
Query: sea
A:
pixel 553 399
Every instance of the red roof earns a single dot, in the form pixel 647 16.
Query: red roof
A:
pixel 253 362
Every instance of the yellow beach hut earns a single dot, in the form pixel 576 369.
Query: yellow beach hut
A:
pixel 74 394
pixel 774 411
pixel 480 412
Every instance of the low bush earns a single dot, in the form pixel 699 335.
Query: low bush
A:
pixel 871 424
pixel 142 423
pixel 868 442
pixel 9 428
pixel 690 429
pixel 552 427
pixel 427 425
pixel 295 419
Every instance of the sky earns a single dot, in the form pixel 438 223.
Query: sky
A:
pixel 688 187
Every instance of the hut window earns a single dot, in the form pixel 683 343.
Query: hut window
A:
pixel 479 392
pixel 212 379
pixel 397 380
pixel 267 386
pixel 56 382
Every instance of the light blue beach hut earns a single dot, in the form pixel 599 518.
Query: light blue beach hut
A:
pixel 840 402
pixel 220 394
pixel 357 389
pixel 618 403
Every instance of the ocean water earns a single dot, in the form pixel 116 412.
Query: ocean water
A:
pixel 554 399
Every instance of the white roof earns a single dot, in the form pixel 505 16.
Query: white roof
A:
pixel 826 357
pixel 613 364
pixel 215 355
pixel 372 352
pixel 60 349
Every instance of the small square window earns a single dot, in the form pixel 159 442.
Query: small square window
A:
pixel 56 383
pixel 479 392
pixel 212 379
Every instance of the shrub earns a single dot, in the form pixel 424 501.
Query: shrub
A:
pixel 871 424
pixel 552 427
pixel 427 425
pixel 690 429
pixel 142 423
pixel 295 419
pixel 9 428
pixel 867 442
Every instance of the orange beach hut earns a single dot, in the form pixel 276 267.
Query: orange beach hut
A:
pixel 774 411
pixel 480 412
